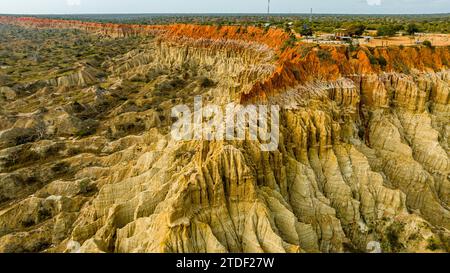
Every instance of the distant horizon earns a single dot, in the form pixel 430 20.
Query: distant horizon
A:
pixel 362 7
pixel 214 13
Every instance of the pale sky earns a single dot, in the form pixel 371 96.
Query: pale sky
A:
pixel 225 6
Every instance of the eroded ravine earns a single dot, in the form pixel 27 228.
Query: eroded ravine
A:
pixel 88 164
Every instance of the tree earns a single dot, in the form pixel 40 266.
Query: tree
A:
pixel 412 28
pixel 387 30
pixel 356 29
pixel 306 30
pixel 427 44
pixel 289 43
pixel 287 29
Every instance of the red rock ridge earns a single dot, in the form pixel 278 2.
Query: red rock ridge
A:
pixel 332 62
pixel 274 38
pixel 296 65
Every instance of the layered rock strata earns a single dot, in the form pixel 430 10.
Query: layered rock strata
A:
pixel 363 158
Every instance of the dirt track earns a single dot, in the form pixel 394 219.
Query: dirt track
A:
pixel 435 39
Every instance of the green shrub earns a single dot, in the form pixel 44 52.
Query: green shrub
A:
pixel 412 28
pixel 289 43
pixel 44 214
pixel 305 49
pixel 434 243
pixel 306 31
pixel 20 157
pixel 88 128
pixel 355 29
pixel 85 186
pixel 60 168
pixel 170 85
pixel 382 61
pixel 386 31
pixel 373 60
pixel 206 82
pixel 427 44
pixel 83 133
pixel 352 47
pixel 28 223
pixel 401 67
pixel 392 236
pixel 324 55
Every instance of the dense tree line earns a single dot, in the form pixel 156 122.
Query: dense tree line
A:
pixel 385 25
pixel 382 27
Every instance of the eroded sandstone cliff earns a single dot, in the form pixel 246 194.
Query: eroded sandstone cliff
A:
pixel 87 163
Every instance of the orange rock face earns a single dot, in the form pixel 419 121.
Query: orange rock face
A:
pixel 273 37
pixel 333 62
pixel 296 65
